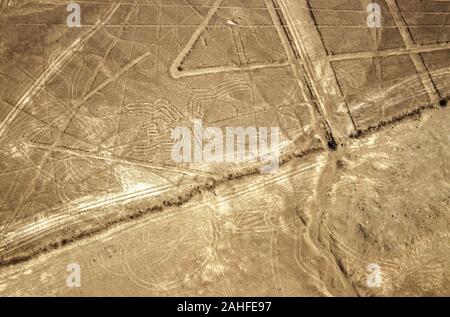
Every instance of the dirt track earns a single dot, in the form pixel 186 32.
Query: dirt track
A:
pixel 86 116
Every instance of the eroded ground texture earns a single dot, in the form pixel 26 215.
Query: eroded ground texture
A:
pixel 86 115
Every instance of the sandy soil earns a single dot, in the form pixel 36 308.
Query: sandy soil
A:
pixel 85 121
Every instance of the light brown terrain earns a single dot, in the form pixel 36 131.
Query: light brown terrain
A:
pixel 86 115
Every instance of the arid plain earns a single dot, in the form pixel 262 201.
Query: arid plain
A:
pixel 87 116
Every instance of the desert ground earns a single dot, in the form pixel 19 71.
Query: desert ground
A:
pixel 87 115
